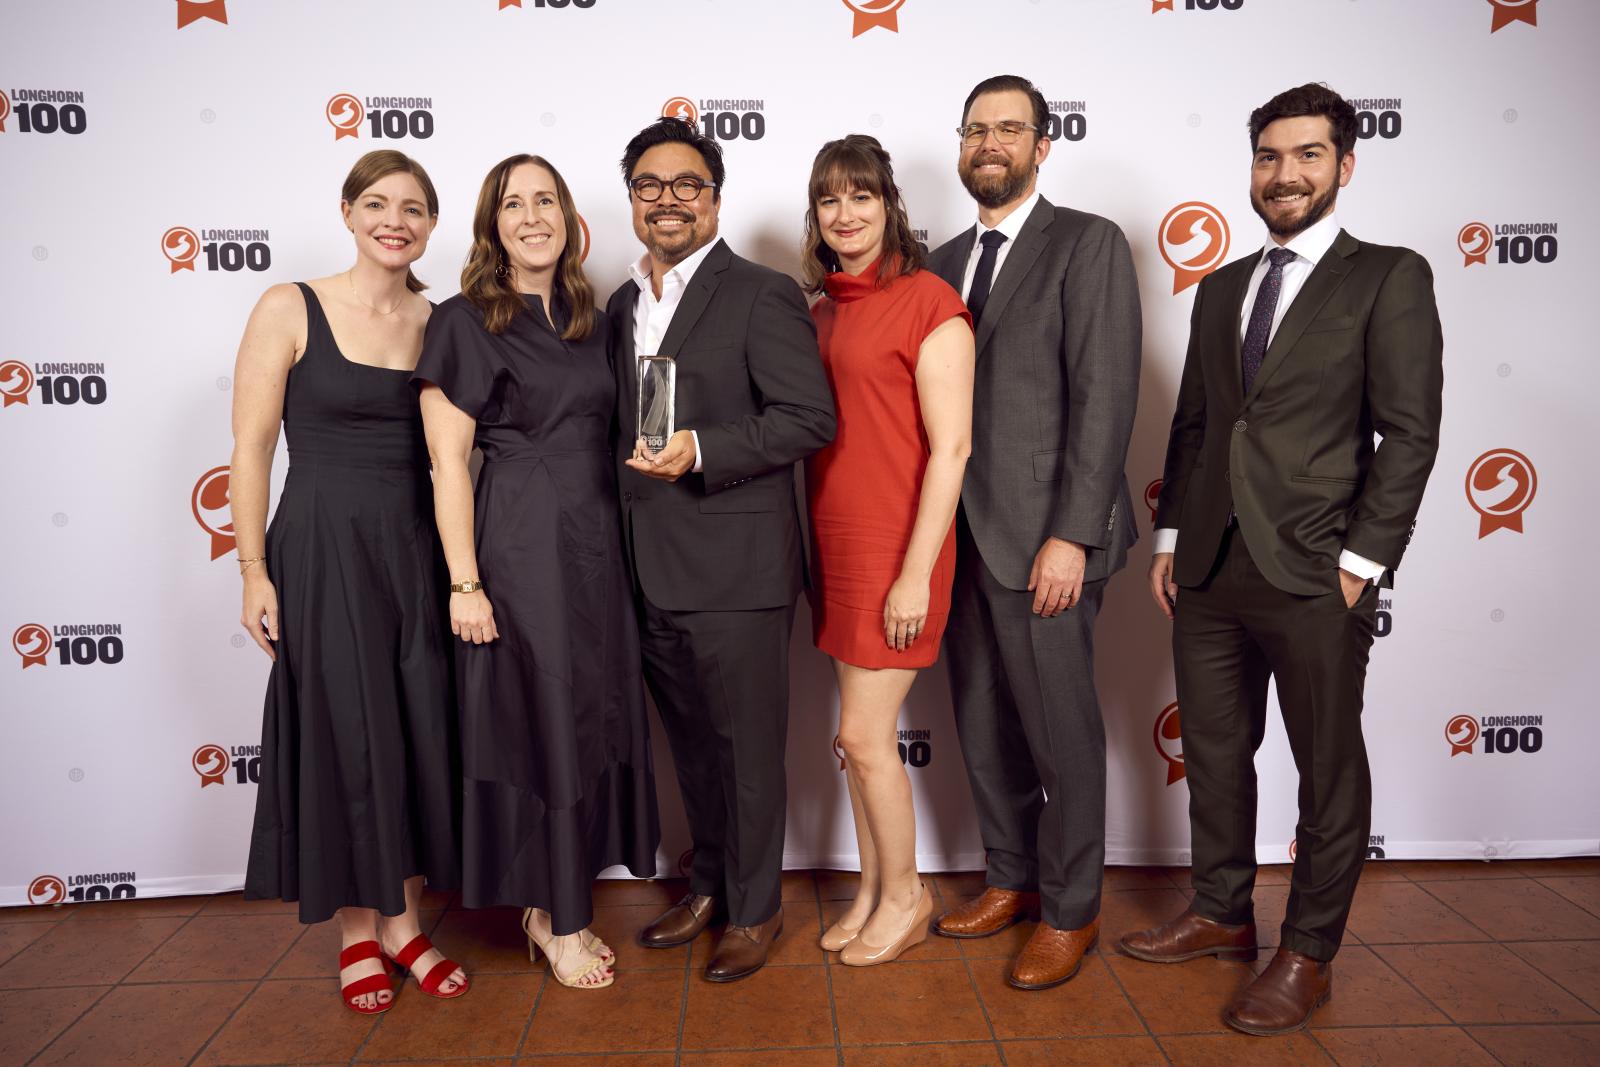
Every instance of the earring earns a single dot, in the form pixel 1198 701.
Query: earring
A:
pixel 503 270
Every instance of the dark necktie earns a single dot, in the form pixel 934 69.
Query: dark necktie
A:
pixel 984 277
pixel 1266 305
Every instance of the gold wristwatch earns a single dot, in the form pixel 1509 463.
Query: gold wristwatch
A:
pixel 471 585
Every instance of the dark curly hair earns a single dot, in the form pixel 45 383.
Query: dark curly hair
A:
pixel 1313 98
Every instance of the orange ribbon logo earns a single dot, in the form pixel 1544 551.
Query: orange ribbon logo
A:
pixel 195 10
pixel 1179 238
pixel 1475 240
pixel 838 750
pixel 32 643
pixel 1500 486
pixel 1294 848
pixel 47 889
pixel 1462 732
pixel 210 496
pixel 210 762
pixel 344 115
pixel 16 382
pixel 510 3
pixel 1168 736
pixel 584 227
pixel 5 110
pixel 1152 497
pixel 682 109
pixel 180 245
pixel 1508 11
pixel 870 13
pixel 1160 5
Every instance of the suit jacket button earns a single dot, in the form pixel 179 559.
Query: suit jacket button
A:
pixel 627 496
pixel 1241 426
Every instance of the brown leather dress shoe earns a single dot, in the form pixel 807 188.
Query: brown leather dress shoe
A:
pixel 681 923
pixel 743 950
pixel 1052 956
pixel 1282 999
pixel 1189 937
pixel 988 914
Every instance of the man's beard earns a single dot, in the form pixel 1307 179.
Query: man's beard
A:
pixel 1314 214
pixel 682 243
pixel 992 192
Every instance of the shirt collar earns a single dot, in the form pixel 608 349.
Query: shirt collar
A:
pixel 640 268
pixel 1312 243
pixel 1012 224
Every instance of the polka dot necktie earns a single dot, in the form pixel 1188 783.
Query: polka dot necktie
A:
pixel 1266 305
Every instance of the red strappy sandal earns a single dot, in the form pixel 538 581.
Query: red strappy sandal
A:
pixel 435 977
pixel 372 983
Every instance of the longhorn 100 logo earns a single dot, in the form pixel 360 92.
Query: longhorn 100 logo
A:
pixel 1196 5
pixel 1510 242
pixel 390 117
pixel 212 763
pixel 1501 484
pixel 225 250
pixel 51 889
pixel 43 111
pixel 721 118
pixel 78 644
pixel 1193 239
pixel 1499 733
pixel 870 13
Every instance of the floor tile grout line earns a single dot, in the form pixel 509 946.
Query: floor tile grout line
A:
pixel 1547 977
pixel 1137 1014
pixel 112 988
pixel 827 977
pixel 1445 905
pixel 983 1006
pixel 538 999
pixel 683 1004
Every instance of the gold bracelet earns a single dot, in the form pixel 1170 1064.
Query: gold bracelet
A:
pixel 471 585
pixel 244 563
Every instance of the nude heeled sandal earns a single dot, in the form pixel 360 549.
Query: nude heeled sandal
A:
pixel 538 946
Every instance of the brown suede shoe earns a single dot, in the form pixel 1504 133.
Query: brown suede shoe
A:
pixel 743 950
pixel 1052 956
pixel 988 914
pixel 1189 937
pixel 1282 999
pixel 681 923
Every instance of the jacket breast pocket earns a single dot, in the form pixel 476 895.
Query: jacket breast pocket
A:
pixel 740 501
pixel 1047 466
pixel 1337 322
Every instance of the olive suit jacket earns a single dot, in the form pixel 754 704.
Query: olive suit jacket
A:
pixel 1358 352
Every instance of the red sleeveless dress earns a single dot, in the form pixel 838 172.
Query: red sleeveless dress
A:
pixel 863 489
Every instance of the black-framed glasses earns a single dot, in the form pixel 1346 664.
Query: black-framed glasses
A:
pixel 685 189
pixel 1004 132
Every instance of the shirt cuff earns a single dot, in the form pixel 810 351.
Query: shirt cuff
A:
pixel 699 467
pixel 1360 566
pixel 1166 541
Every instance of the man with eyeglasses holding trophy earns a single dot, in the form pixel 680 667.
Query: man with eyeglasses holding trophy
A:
pixel 1045 519
pixel 720 391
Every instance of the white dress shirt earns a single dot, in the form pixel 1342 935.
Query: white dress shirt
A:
pixel 652 316
pixel 1011 225
pixel 1309 246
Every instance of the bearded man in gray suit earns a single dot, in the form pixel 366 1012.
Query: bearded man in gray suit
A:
pixel 1045 520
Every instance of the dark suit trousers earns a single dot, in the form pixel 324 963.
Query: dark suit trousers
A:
pixel 1230 634
pixel 720 680
pixel 1031 734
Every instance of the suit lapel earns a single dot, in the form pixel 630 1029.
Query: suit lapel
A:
pixel 1031 241
pixel 695 299
pixel 621 313
pixel 1235 291
pixel 952 266
pixel 1325 279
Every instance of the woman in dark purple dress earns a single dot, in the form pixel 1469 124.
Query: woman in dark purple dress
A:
pixel 555 747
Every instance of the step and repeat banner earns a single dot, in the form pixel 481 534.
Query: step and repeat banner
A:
pixel 164 161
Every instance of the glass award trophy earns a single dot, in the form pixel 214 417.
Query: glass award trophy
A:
pixel 658 386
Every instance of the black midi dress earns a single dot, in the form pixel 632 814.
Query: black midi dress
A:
pixel 359 770
pixel 557 778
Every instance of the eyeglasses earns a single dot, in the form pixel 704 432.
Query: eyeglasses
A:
pixel 685 189
pixel 1004 132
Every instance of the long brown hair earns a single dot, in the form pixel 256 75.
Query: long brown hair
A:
pixel 858 161
pixel 489 286
pixel 376 166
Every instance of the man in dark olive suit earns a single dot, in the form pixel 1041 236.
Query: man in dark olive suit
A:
pixel 1045 520
pixel 712 528
pixel 1277 518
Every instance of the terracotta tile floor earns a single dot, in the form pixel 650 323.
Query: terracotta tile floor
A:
pixel 1445 963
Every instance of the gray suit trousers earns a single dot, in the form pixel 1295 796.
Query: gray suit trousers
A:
pixel 1031 734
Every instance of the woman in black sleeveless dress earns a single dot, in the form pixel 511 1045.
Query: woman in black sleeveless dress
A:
pixel 345 591
pixel 555 747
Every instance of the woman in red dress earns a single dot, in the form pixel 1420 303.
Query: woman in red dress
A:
pixel 897 346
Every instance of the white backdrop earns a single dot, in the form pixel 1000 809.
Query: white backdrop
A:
pixel 131 701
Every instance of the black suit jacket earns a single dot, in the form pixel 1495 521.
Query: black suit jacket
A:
pixel 1359 351
pixel 751 384
pixel 1057 381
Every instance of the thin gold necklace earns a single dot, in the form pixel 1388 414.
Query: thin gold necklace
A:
pixel 370 307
